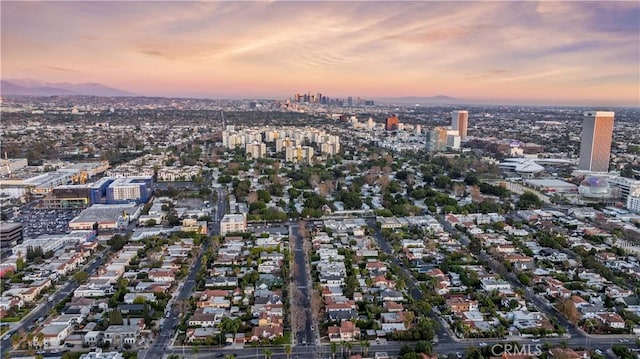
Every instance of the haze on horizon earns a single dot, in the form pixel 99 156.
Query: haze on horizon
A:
pixel 531 52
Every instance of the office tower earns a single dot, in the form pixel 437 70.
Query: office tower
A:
pixel 391 123
pixel 459 122
pixel 595 143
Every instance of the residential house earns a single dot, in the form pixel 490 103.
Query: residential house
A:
pixel 612 320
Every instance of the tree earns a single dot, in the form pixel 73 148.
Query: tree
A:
pixel 267 354
pixel 15 340
pixel 529 200
pixel 364 345
pixel 475 246
pixel 334 349
pixel 287 350
pixel 80 277
pixel 264 196
pixel 568 309
pixel 115 317
pixel 19 264
pixel 139 300
pixel 40 339
pixel 349 347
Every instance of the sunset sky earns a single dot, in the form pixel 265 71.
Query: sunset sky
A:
pixel 551 52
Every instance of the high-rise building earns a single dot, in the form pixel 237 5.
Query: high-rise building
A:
pixel 595 143
pixel 437 139
pixel 256 150
pixel 459 122
pixel 300 154
pixel 391 123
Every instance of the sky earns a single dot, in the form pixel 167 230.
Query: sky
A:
pixel 529 52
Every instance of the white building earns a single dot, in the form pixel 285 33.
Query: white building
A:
pixel 633 204
pixel 303 154
pixel 233 223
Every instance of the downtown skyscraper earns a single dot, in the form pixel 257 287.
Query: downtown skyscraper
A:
pixel 595 143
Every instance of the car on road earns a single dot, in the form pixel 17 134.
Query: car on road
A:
pixel 168 315
pixel 7 337
pixel 624 340
pixel 458 355
pixel 535 340
pixel 483 344
pixel 599 352
pixel 219 355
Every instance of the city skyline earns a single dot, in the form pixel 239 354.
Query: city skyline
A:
pixel 532 52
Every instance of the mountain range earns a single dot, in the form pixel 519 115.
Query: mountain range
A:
pixel 31 87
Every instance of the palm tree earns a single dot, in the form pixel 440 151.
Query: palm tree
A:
pixel 30 337
pixel 229 356
pixel 287 351
pixel 40 338
pixel 267 354
pixel 349 347
pixel 364 345
pixel 15 340
pixel 334 349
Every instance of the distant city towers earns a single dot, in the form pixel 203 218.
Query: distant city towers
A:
pixel 459 122
pixel 595 143
pixel 391 123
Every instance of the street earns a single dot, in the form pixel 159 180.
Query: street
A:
pixel 184 291
pixel 301 282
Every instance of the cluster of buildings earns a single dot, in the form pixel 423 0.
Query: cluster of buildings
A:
pixel 318 98
pixel 299 144
pixel 244 278
pixel 343 289
pixel 78 324
pixel 554 272
pixel 51 257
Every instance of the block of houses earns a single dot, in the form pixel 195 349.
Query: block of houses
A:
pixel 391 306
pixel 520 262
pixel 270 333
pixel 345 332
pixel 203 318
pixel 129 298
pixel 459 304
pixel 162 275
pixel 199 334
pixel 341 310
pixel 614 291
pixel 612 320
pixel 53 336
pixel 127 333
pixel 391 322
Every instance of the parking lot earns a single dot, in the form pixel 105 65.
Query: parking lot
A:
pixel 45 221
